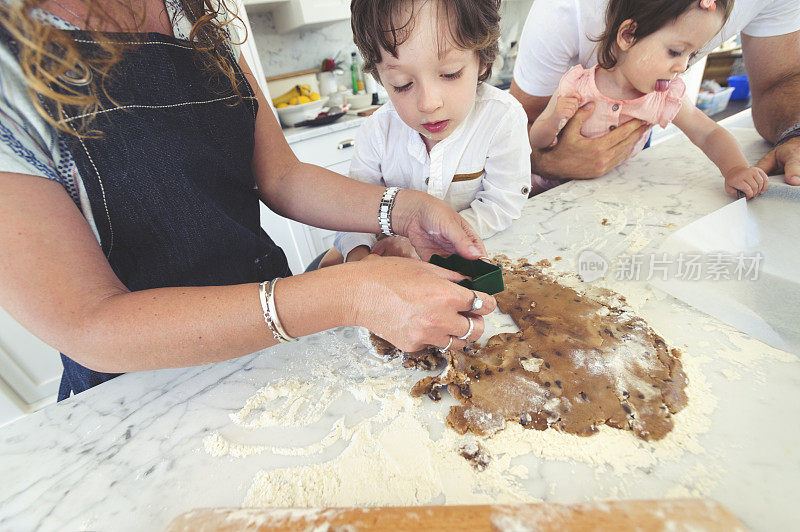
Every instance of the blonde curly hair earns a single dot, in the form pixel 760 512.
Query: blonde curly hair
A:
pixel 48 55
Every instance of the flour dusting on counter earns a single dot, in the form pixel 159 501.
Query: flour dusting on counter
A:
pixel 402 454
pixel 406 465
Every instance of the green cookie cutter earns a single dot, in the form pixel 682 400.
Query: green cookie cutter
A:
pixel 484 276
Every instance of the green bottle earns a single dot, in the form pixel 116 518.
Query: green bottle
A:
pixel 354 72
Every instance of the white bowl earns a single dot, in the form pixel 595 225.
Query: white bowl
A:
pixel 293 114
pixel 359 101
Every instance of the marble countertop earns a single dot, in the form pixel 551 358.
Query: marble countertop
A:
pixel 129 454
pixel 296 134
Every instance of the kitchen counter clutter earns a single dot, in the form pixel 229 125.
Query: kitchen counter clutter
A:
pixel 321 422
pixel 296 134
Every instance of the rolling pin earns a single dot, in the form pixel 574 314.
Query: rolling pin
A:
pixel 653 515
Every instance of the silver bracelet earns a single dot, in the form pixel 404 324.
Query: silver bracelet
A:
pixel 385 211
pixel 262 295
pixel 273 313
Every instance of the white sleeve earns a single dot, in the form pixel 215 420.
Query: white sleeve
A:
pixel 508 176
pixel 365 166
pixel 25 147
pixel 776 17
pixel 549 42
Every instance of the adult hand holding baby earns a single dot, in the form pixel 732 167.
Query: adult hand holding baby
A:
pixel 579 157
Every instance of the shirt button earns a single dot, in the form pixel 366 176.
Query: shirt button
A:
pixel 525 190
pixel 615 107
pixel 612 128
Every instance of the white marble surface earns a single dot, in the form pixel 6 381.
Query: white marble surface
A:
pixel 128 455
pixel 296 134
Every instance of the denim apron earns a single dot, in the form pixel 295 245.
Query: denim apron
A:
pixel 169 182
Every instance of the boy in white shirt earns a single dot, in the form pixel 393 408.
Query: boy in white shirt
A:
pixel 444 131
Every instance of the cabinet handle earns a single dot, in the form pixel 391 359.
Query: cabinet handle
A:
pixel 349 143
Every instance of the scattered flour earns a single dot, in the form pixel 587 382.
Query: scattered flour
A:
pixel 391 458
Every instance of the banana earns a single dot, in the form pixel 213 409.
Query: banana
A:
pixel 294 92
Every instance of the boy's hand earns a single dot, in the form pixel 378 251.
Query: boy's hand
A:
pixel 751 180
pixel 357 253
pixel 395 246
pixel 566 107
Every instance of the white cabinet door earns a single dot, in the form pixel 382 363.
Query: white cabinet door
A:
pixel 295 14
pixel 30 370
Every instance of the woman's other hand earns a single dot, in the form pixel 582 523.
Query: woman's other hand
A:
pixel 432 226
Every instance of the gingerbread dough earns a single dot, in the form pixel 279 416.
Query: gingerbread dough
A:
pixel 579 361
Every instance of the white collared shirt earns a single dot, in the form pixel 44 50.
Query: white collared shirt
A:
pixel 482 169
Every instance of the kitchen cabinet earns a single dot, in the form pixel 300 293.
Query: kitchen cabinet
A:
pixel 30 370
pixel 290 15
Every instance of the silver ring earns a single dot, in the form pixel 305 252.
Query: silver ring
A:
pixel 471 326
pixel 477 303
pixel 445 348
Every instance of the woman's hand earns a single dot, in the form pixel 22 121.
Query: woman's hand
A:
pixel 432 226
pixel 751 180
pixel 395 246
pixel 414 304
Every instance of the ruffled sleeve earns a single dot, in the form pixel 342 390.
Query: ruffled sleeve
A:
pixel 573 81
pixel 673 99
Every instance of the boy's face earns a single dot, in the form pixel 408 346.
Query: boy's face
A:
pixel 432 94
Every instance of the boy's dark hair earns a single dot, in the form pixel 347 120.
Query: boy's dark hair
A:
pixel 649 16
pixel 474 25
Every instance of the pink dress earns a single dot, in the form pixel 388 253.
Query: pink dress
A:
pixel 609 113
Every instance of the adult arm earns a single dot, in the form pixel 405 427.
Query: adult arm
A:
pixel 775 85
pixel 55 280
pixel 579 157
pixel 575 156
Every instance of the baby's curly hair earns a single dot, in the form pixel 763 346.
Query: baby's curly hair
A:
pixel 649 16
pixel 474 25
